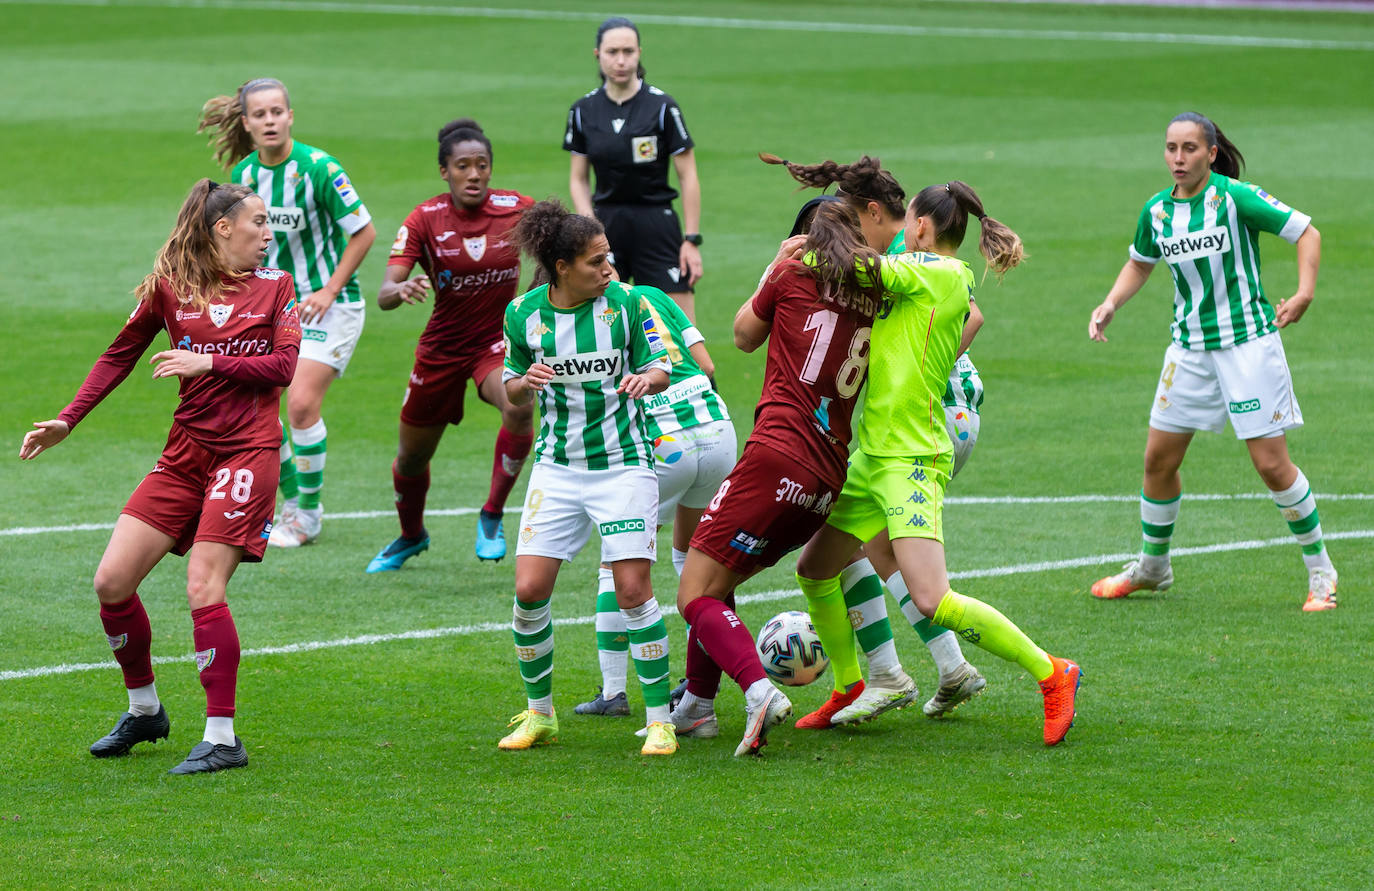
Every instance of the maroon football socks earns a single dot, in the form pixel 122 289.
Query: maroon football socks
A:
pixel 217 657
pixel 131 638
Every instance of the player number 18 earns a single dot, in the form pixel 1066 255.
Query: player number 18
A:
pixel 851 373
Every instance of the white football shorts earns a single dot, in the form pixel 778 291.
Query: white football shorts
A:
pixel 691 464
pixel 332 339
pixel 1248 383
pixel 563 505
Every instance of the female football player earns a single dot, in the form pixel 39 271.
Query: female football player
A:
pixel 881 204
pixel 212 490
pixel 461 239
pixel 626 131
pixel 590 349
pixel 898 475
pixel 1226 359
pixel 322 231
pixel 817 318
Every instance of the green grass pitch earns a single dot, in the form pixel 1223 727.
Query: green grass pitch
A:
pixel 1224 737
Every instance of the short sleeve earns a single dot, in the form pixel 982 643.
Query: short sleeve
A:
pixel 1144 248
pixel 691 336
pixel 519 358
pixel 341 200
pixel 765 302
pixel 1258 209
pixel 676 139
pixel 287 327
pixel 408 247
pixel 647 350
pixel 574 139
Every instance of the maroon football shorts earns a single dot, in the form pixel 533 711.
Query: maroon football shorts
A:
pixel 435 394
pixel 767 506
pixel 193 494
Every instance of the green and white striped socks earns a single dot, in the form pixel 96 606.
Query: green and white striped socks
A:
pixel 612 637
pixel 649 649
pixel 1157 520
pixel 533 628
pixel 1298 506
pixel 867 606
pixel 310 456
pixel 287 481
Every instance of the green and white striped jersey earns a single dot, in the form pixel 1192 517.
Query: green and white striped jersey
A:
pixel 964 388
pixel 690 399
pixel 313 209
pixel 1211 243
pixel 583 421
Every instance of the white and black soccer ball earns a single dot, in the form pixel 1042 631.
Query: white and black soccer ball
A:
pixel 791 650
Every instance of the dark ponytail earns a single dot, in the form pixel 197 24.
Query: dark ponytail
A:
pixel 461 130
pixel 859 183
pixel 1229 161
pixel 949 205
pixel 549 232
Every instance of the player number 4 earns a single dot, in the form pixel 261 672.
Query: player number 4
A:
pixel 242 489
pixel 851 374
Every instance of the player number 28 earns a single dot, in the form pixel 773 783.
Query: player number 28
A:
pixel 242 489
pixel 851 373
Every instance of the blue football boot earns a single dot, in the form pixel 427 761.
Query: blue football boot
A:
pixel 391 557
pixel 491 537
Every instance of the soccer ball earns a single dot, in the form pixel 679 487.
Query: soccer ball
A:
pixel 791 650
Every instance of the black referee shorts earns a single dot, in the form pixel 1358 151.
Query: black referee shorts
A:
pixel 645 240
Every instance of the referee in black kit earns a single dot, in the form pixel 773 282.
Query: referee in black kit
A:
pixel 627 131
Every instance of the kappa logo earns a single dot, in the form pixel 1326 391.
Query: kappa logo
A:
pixel 1196 245
pixel 205 658
pixel 1159 213
pixel 475 247
pixel 233 514
pixel 220 313
pixel 540 330
pixel 617 124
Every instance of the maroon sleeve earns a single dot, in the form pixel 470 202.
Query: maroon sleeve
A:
pixel 115 363
pixel 408 252
pixel 765 301
pixel 277 367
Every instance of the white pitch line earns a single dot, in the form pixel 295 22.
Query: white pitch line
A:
pixel 953 500
pixel 759 597
pixel 691 21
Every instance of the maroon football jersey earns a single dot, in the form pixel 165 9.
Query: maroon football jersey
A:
pixel 817 363
pixel 472 264
pixel 254 336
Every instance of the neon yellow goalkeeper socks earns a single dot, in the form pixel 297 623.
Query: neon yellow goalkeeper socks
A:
pixel 976 622
pixel 825 601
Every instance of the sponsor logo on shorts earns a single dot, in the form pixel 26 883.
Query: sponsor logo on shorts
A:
pixel 616 527
pixel 1278 416
pixel 1245 405
pixel 267 529
pixel 918 521
pixel 286 219
pixel 205 658
pixel 117 642
pixel 916 498
pixel 220 313
pixel 1196 245
pixel 748 542
pixel 896 511
pixel 233 514
pixel 315 334
pixel 917 476
pixel 792 492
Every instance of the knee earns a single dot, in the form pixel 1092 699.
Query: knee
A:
pixel 411 463
pixel 1278 473
pixel 111 586
pixel 201 592
pixel 1158 464
pixel 518 417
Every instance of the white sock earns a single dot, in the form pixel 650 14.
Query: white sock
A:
pixel 757 694
pixel 614 663
pixel 657 713
pixel 543 705
pixel 948 657
pixel 679 561
pixel 695 705
pixel 883 661
pixel 143 700
pixel 219 731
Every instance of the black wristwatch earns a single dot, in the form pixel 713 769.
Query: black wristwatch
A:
pixel 693 238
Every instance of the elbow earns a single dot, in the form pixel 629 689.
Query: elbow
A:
pixel 745 343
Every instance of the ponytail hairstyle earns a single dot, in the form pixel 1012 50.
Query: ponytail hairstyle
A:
pixel 190 261
pixel 844 266
pixel 859 183
pixel 1229 161
pixel 461 130
pixel 223 117
pixel 549 232
pixel 949 205
pixel 618 21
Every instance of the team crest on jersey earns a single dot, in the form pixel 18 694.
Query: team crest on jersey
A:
pixel 1213 200
pixel 609 315
pixel 345 189
pixel 220 313
pixel 294 178
pixel 270 275
pixel 475 247
pixel 644 149
pixel 503 200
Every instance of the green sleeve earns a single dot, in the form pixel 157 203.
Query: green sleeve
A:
pixel 646 344
pixel 334 190
pixel 518 355
pixel 1144 246
pixel 1258 209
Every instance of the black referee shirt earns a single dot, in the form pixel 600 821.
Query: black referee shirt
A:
pixel 628 145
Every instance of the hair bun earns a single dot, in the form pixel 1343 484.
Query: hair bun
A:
pixel 460 124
